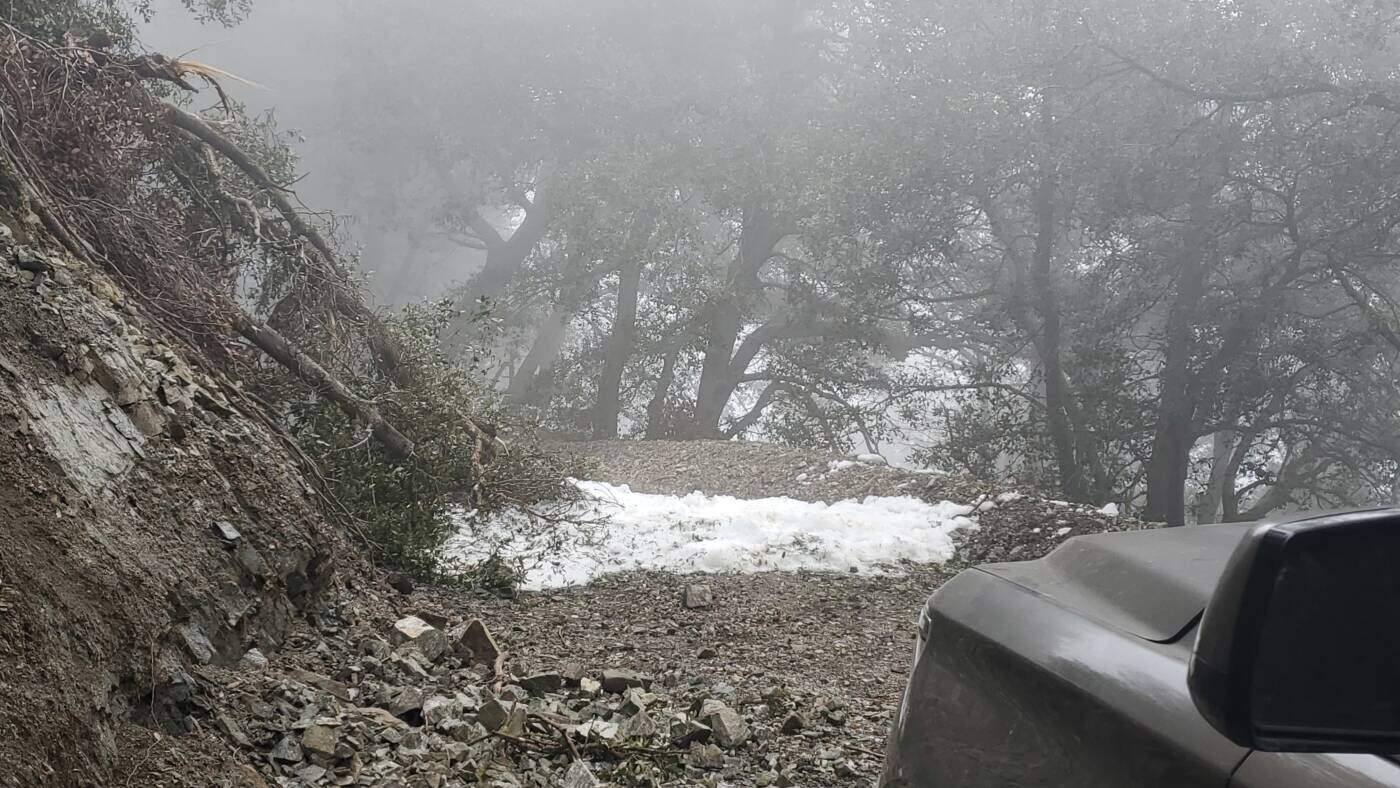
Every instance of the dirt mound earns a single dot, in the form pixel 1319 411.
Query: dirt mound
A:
pixel 149 525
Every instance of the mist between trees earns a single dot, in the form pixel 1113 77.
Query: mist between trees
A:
pixel 1130 252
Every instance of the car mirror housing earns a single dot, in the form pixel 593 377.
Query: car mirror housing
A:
pixel 1299 648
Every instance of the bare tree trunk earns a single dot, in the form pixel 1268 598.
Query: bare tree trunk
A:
pixel 656 408
pixel 718 378
pixel 1209 503
pixel 542 354
pixel 1057 394
pixel 620 346
pixel 1175 433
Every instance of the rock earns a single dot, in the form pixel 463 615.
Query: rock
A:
pixel 541 683
pixel 697 596
pixel 494 714
pixel 622 679
pixel 589 687
pixel 401 583
pixel 250 560
pixel 436 619
pixel 794 723
pixel 253 659
pixel 232 729
pixel 706 653
pixel 638 726
pixel 287 750
pixel 845 768
pixel 406 703
pixel 196 642
pixel 429 639
pixel 515 723
pixel 438 710
pixel 474 644
pixel 225 531
pixel 690 731
pixel 729 727
pixel 705 756
pixel 579 776
pixel 319 742
pixel 836 717
pixel 572 673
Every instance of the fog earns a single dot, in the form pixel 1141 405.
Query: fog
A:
pixel 1130 252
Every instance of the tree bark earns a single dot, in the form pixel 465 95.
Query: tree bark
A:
pixel 1047 306
pixel 541 356
pixel 656 408
pixel 323 383
pixel 718 378
pixel 1175 433
pixel 619 351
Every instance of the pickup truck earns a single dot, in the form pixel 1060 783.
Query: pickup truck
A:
pixel 1251 655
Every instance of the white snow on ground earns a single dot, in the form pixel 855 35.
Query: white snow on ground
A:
pixel 704 533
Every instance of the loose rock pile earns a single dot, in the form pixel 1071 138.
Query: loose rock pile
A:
pixel 431 703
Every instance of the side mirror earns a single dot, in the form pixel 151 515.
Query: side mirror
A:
pixel 1299 648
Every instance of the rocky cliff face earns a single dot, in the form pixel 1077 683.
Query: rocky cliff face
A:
pixel 148 523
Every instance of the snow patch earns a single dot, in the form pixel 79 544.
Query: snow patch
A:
pixel 703 533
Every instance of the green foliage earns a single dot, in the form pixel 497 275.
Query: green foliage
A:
pixel 407 509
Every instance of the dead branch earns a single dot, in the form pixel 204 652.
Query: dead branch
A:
pixel 386 348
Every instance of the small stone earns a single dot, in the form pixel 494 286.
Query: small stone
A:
pixel 319 742
pixel 705 756
pixel 437 710
pixel 311 773
pixel 494 714
pixel 515 723
pixel 697 596
pixel 287 750
pixel 196 642
pixel 638 726
pixel 691 731
pixel 474 644
pixel 794 723
pixel 253 659
pixel 845 768
pixel 232 729
pixel 579 776
pixel 428 638
pixel 729 727
pixel 836 717
pixel 572 673
pixel 250 559
pixel 225 531
pixel 406 702
pixel 541 683
pixel 620 680
pixel 589 687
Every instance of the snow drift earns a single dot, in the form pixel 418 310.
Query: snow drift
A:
pixel 704 533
